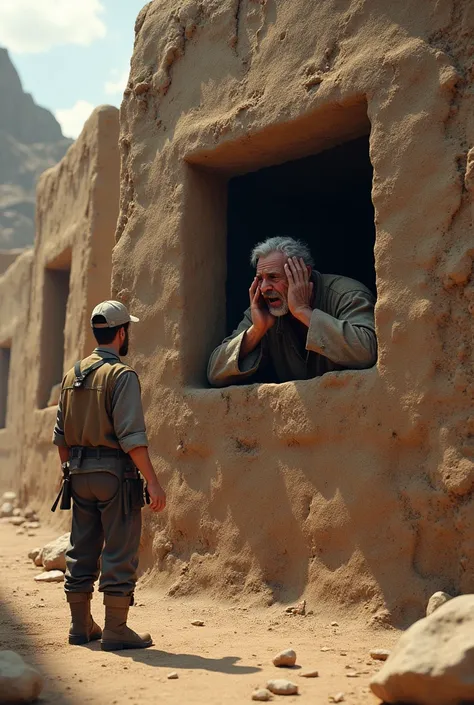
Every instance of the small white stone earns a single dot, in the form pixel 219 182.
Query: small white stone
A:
pixel 197 623
pixel 279 686
pixel 285 658
pixel 50 576
pixel 310 674
pixel 32 525
pixel 439 598
pixel 6 510
pixel 9 497
pixel 334 624
pixel 380 654
pixel 262 694
pixel 338 698
pixel 172 676
pixel 33 553
pixel 19 682
pixel 17 512
pixel 17 521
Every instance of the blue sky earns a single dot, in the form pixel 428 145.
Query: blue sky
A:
pixel 72 55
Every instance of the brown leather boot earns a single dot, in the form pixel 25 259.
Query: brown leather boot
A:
pixel 83 628
pixel 117 635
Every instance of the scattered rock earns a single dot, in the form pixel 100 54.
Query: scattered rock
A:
pixel 436 600
pixel 17 521
pixel 38 561
pixel 433 662
pixel 338 698
pixel 310 674
pixel 50 576
pixel 300 608
pixel 261 694
pixel 29 514
pixel 325 648
pixel 30 533
pixel 6 510
pixel 20 532
pixel 19 682
pixel 197 623
pixel 285 658
pixel 17 512
pixel 34 553
pixel 352 674
pixel 334 624
pixel 172 676
pixel 279 686
pixel 32 525
pixel 9 497
pixel 380 654
pixel 54 553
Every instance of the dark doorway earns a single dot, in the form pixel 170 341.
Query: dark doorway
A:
pixel 4 377
pixel 324 199
pixel 55 297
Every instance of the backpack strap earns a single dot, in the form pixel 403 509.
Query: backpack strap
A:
pixel 80 376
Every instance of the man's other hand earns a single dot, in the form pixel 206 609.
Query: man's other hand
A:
pixel 157 497
pixel 262 319
pixel 300 289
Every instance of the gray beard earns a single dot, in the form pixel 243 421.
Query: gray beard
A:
pixel 282 310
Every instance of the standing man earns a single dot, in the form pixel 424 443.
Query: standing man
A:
pixel 100 432
pixel 300 324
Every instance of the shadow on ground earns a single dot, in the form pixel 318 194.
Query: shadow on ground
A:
pixel 14 637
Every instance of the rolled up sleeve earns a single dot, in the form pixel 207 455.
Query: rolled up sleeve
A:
pixel 127 412
pixel 58 433
pixel 348 338
pixel 225 366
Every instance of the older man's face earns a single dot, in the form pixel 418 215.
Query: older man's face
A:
pixel 273 282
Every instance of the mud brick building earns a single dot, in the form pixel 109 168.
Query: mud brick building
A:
pixel 350 125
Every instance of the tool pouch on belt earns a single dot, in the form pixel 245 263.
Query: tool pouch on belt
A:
pixel 65 492
pixel 133 493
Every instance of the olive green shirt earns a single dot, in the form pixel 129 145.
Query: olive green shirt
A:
pixel 341 335
pixel 107 411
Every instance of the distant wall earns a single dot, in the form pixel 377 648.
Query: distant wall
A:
pixel 47 295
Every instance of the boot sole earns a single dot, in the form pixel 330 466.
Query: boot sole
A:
pixel 80 639
pixel 122 645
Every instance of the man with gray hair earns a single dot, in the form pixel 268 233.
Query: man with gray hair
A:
pixel 300 323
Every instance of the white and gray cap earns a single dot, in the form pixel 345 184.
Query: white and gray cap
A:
pixel 115 314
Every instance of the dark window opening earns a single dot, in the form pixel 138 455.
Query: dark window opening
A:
pixel 4 377
pixel 55 297
pixel 323 199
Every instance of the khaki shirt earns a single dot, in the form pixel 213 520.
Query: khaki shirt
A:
pixel 106 411
pixel 341 335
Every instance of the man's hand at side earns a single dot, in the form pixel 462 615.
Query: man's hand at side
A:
pixel 142 461
pixel 157 496
pixel 300 289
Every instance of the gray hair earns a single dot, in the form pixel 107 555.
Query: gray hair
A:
pixel 288 245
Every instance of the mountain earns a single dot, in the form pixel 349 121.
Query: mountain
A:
pixel 30 142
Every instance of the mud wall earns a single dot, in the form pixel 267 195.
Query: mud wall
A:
pixel 54 289
pixel 355 487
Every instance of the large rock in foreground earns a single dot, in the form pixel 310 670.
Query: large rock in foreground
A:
pixel 19 683
pixel 433 663
pixel 54 553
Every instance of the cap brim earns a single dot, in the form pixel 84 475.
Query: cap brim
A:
pixel 134 319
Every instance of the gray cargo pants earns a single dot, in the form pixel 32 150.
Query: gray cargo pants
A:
pixel 103 538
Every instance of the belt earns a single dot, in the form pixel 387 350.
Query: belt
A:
pixel 84 452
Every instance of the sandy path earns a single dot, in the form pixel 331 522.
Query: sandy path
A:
pixel 221 662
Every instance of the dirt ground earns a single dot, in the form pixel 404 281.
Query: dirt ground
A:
pixel 221 662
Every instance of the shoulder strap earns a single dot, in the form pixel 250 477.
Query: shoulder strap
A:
pixel 80 376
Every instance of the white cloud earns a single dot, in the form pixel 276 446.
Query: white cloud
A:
pixel 117 86
pixel 34 26
pixel 72 119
